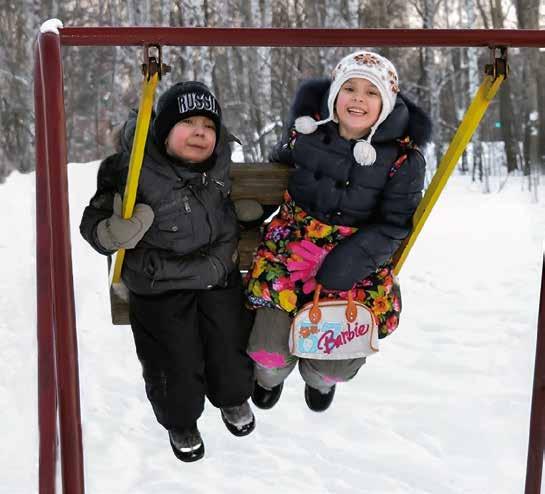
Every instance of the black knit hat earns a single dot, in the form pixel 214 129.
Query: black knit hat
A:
pixel 184 100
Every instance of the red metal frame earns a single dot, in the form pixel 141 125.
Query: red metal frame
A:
pixel 195 36
pixel 536 445
pixel 54 273
pixel 56 327
pixel 47 381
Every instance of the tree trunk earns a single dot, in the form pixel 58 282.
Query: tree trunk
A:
pixel 429 76
pixel 473 78
pixel 507 113
pixel 541 107
pixel 458 83
pixel 528 18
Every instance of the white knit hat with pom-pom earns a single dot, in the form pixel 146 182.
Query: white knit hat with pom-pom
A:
pixel 366 65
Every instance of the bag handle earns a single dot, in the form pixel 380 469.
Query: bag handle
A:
pixel 315 314
pixel 351 308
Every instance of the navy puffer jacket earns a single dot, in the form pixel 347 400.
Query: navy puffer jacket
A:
pixel 332 187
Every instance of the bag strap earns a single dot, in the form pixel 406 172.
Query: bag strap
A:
pixel 315 314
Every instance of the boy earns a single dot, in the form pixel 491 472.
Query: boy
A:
pixel 181 266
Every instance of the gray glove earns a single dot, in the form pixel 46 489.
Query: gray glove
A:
pixel 248 210
pixel 117 233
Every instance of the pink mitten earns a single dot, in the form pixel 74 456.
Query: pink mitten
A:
pixel 305 270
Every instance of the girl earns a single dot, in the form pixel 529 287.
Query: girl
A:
pixel 358 179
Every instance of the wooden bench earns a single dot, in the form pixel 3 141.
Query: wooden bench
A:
pixel 264 182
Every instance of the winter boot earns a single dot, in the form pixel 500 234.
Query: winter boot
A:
pixel 318 401
pixel 266 398
pixel 187 443
pixel 240 421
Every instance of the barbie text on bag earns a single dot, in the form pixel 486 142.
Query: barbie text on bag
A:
pixel 333 330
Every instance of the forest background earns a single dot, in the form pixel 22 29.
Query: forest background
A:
pixel 256 85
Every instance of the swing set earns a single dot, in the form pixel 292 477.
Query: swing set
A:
pixel 58 381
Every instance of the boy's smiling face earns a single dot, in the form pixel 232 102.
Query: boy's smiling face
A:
pixel 358 107
pixel 192 139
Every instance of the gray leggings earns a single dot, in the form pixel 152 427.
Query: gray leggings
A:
pixel 268 348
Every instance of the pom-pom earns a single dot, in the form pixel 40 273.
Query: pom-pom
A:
pixel 364 153
pixel 305 125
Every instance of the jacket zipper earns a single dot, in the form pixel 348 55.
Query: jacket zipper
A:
pixel 187 207
pixel 210 227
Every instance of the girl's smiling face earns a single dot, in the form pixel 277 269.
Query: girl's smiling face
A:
pixel 358 107
pixel 192 139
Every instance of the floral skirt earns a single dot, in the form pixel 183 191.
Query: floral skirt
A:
pixel 292 248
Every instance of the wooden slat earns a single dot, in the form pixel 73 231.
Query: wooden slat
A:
pixel 119 308
pixel 265 182
pixel 246 247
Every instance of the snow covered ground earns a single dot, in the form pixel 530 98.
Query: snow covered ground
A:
pixel 444 408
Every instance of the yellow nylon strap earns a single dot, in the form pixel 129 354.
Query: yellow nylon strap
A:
pixel 135 163
pixel 473 116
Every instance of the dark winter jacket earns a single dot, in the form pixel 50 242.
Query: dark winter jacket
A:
pixel 192 243
pixel 332 187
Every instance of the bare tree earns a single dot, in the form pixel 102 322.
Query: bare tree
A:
pixel 428 88
pixel 508 116
pixel 528 18
pixel 16 139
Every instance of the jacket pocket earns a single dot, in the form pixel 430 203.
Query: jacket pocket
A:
pixel 175 232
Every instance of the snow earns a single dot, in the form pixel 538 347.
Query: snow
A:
pixel 51 26
pixel 444 408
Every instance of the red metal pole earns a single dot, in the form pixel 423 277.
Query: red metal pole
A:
pixel 201 36
pixel 536 443
pixel 47 383
pixel 63 289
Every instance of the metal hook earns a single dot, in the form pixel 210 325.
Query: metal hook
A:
pixel 153 63
pixel 498 66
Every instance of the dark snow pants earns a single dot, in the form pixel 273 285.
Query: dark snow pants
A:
pixel 192 344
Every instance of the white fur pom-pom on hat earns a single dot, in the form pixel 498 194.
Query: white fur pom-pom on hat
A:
pixel 364 153
pixel 305 125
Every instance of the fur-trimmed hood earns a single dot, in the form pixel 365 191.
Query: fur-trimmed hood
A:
pixel 406 118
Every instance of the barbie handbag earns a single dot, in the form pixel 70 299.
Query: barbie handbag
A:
pixel 333 330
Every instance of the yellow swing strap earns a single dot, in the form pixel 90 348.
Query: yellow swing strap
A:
pixel 465 131
pixel 152 73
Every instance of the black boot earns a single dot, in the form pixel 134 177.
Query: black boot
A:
pixel 240 421
pixel 187 444
pixel 317 401
pixel 266 398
